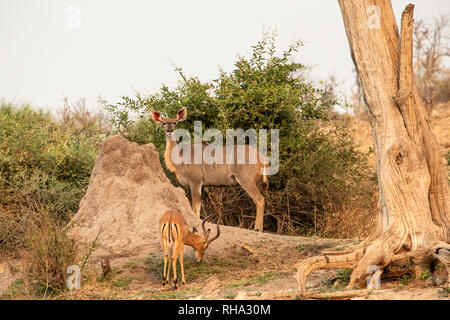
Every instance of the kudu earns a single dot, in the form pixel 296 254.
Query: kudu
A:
pixel 174 235
pixel 192 175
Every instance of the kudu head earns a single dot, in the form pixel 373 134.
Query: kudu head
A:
pixel 169 123
pixel 204 241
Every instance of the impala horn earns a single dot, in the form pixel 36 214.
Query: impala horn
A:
pixel 207 232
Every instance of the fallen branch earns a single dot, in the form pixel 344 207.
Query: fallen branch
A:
pixel 341 295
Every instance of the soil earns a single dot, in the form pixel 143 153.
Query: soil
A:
pixel 250 266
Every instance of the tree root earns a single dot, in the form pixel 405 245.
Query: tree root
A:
pixel 441 263
pixel 307 266
pixel 378 253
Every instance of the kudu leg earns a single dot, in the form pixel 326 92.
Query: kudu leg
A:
pixel 258 199
pixel 196 192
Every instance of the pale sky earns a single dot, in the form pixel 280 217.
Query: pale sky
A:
pixel 116 46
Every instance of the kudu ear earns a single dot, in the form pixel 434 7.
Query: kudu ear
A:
pixel 156 116
pixel 181 114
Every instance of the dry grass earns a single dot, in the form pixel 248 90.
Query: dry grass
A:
pixel 47 255
pixel 348 222
pixel 439 119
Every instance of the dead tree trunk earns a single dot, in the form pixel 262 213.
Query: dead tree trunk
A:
pixel 414 199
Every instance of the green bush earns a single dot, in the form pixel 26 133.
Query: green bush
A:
pixel 320 171
pixel 42 161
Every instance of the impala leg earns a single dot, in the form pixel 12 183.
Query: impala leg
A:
pixel 176 251
pixel 258 199
pixel 196 192
pixel 168 270
pixel 183 281
pixel 166 257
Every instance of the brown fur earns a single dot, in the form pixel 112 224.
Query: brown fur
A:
pixel 195 176
pixel 174 235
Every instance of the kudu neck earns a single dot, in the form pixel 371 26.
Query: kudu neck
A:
pixel 171 139
pixel 171 142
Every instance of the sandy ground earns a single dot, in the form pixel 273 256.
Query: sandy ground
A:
pixel 249 266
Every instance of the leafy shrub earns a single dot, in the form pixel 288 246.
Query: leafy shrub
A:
pixel 320 172
pixel 44 162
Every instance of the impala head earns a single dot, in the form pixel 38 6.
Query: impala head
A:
pixel 169 123
pixel 204 242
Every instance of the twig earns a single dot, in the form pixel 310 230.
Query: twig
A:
pixel 91 249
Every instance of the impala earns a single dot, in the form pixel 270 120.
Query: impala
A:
pixel 207 173
pixel 174 235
